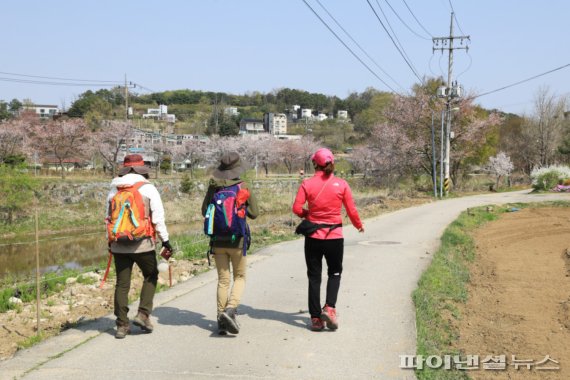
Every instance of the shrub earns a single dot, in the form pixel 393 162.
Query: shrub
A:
pixel 186 185
pixel 548 177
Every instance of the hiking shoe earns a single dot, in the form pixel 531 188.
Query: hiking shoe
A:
pixel 328 315
pixel 143 321
pixel 229 319
pixel 317 324
pixel 122 331
pixel 222 329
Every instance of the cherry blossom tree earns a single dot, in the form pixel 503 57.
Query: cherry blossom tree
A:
pixel 61 140
pixel 501 166
pixel 307 146
pixel 195 151
pixel 261 152
pixel 290 153
pixel 12 139
pixel 110 139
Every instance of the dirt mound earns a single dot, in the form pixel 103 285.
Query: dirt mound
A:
pixel 519 295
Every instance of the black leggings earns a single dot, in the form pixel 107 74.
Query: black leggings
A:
pixel 332 250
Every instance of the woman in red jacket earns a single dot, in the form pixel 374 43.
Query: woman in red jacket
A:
pixel 325 195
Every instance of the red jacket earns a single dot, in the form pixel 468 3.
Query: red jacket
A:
pixel 334 192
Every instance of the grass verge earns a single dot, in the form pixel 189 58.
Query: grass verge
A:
pixel 441 287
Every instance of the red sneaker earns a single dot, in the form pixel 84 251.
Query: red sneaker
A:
pixel 317 324
pixel 329 316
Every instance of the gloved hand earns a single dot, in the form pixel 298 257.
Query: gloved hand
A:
pixel 166 250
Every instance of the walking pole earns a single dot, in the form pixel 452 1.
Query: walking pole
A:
pixel 37 275
pixel 170 276
pixel 106 270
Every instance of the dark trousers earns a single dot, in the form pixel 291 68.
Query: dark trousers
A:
pixel 124 266
pixel 332 250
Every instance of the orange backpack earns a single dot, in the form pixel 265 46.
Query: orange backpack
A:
pixel 128 220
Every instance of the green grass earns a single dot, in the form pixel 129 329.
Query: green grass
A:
pixel 442 288
pixel 30 341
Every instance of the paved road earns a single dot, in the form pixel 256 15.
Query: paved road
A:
pixel 377 321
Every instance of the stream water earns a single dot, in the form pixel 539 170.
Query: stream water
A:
pixel 61 251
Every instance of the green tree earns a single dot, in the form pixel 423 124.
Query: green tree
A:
pixel 15 105
pixel 4 114
pixel 90 102
pixel 166 164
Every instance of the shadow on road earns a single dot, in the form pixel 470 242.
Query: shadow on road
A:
pixel 175 317
pixel 294 319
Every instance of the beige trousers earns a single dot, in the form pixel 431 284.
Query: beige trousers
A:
pixel 223 257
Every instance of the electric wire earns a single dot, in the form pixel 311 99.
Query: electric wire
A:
pixel 359 46
pixel 468 66
pixel 29 81
pixel 522 81
pixel 347 47
pixel 455 17
pixel 394 34
pixel 143 87
pixel 415 18
pixel 394 42
pixel 59 78
pixel 405 24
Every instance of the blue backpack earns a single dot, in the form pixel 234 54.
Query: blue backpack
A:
pixel 226 215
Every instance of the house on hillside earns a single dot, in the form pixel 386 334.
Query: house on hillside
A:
pixel 160 113
pixel 251 126
pixel 44 111
pixel 275 123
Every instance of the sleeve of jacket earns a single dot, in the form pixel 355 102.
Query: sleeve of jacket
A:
pixel 299 202
pixel 350 207
pixel 252 206
pixel 157 210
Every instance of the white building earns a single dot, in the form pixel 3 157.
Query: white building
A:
pixel 232 111
pixel 275 123
pixel 160 113
pixel 306 113
pixel 251 126
pixel 43 111
pixel 322 117
pixel 340 114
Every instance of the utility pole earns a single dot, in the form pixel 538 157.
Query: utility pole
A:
pixel 126 100
pixel 450 92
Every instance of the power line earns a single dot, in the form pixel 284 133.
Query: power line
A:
pixel 522 81
pixel 58 78
pixel 403 22
pixel 349 49
pixel 143 87
pixel 394 42
pixel 455 17
pixel 15 80
pixel 360 47
pixel 415 18
pixel 394 33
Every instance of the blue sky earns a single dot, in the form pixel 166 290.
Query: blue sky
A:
pixel 262 45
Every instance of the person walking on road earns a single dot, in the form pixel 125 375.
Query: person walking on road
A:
pixel 135 215
pixel 325 195
pixel 229 248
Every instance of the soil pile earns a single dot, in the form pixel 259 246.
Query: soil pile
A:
pixel 519 295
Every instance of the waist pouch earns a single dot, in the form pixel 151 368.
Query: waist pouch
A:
pixel 307 228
